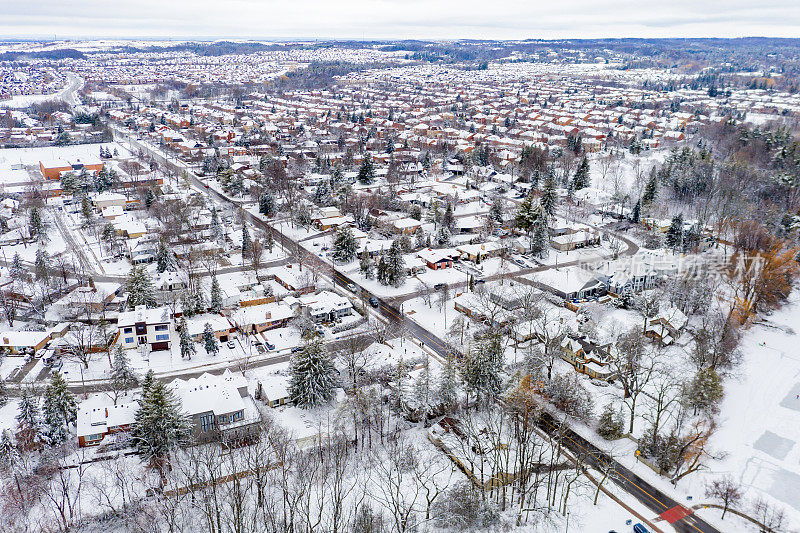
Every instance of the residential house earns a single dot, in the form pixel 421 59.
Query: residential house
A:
pixel 588 358
pixel 477 252
pixel 325 306
pixel 436 259
pixel 218 407
pixel 23 342
pixel 258 318
pixel 95 423
pixel 150 328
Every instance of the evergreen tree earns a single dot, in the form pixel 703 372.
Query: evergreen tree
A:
pixel 247 243
pixel 366 172
pixel 448 220
pixel 59 410
pixel 266 205
pixel 674 237
pixel 540 237
pixel 691 238
pixel 209 340
pixel 9 455
pixel 483 365
pixel 637 212
pixel 269 241
pixel 36 225
pixel 140 288
pixel 216 228
pixel 147 382
pixel 345 246
pixel 434 213
pixel 28 419
pixel 549 197
pixel 526 215
pixel 86 212
pixel 496 211
pixel 443 236
pixel 187 345
pixel 704 391
pixel 383 271
pixel 17 271
pixel 611 424
pixel 424 393
pixel 41 265
pixel 581 178
pixel 102 180
pixel 366 266
pixel 216 295
pixel 163 256
pixel 158 426
pixel 650 191
pixel 313 376
pixel 448 383
pixel 395 266
pixel 122 375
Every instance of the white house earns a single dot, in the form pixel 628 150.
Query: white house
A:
pixel 146 327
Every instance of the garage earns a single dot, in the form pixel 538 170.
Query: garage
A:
pixel 158 346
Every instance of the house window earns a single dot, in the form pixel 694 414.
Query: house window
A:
pixel 163 337
pixel 206 422
pixel 129 340
pixel 162 327
pixel 128 330
pixel 94 437
pixel 223 419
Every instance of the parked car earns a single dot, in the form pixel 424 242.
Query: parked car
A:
pixel 479 281
pixel 231 345
pixel 296 349
pixel 639 528
pixel 440 286
pixel 270 347
pixel 49 359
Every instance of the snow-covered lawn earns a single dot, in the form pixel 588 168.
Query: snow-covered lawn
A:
pixel 759 420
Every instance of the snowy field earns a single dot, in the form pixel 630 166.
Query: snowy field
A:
pixel 759 421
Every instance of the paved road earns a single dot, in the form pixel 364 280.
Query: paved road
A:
pixel 651 497
pixel 69 94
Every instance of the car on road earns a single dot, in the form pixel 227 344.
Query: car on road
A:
pixel 440 286
pixel 373 301
pixel 296 349
pixel 351 287
pixel 639 528
pixel 479 281
pixel 231 345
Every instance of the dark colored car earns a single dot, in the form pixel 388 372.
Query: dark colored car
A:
pixel 439 286
pixel 373 302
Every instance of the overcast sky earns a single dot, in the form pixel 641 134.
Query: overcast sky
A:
pixel 387 19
